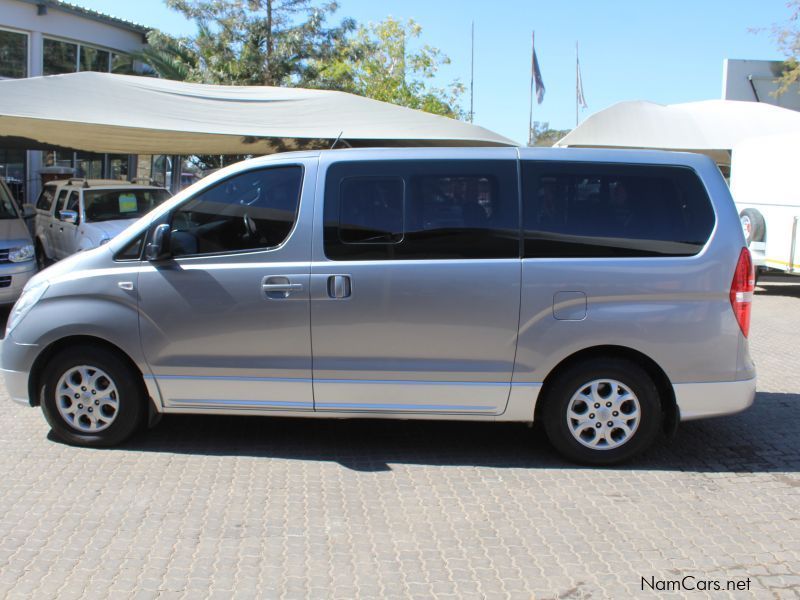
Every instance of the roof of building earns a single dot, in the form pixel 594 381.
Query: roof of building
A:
pixel 91 14
pixel 123 114
pixel 712 127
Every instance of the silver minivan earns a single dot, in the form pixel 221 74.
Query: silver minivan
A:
pixel 604 293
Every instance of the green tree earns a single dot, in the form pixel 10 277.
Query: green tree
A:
pixel 377 62
pixel 246 42
pixel 787 35
pixel 542 135
pixel 288 43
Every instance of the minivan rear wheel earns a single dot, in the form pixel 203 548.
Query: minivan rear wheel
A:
pixel 602 411
pixel 92 397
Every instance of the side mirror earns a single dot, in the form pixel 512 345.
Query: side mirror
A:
pixel 158 248
pixel 68 216
pixel 28 211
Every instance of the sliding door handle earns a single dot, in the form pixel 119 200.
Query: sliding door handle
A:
pixel 339 286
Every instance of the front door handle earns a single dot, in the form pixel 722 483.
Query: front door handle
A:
pixel 279 286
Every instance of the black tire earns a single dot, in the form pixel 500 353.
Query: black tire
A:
pixel 577 377
pixel 753 225
pixel 130 397
pixel 42 262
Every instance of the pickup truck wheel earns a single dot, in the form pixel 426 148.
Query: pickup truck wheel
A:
pixel 42 262
pixel 602 411
pixel 92 397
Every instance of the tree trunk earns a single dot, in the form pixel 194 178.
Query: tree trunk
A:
pixel 269 45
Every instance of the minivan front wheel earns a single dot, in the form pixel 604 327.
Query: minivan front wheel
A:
pixel 92 397
pixel 602 411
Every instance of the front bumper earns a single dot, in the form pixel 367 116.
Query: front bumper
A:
pixel 16 361
pixel 20 274
pixel 703 400
pixel 16 385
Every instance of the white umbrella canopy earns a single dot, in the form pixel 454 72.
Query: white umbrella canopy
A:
pixel 712 127
pixel 123 114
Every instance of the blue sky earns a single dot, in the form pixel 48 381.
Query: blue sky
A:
pixel 630 49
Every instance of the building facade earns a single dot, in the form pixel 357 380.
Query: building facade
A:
pixel 757 81
pixel 49 37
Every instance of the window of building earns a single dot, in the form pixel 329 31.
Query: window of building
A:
pixel 94 59
pixel 122 64
pixel 118 166
pixel 89 165
pixel 13 54
pixel 594 210
pixel 406 210
pixel 59 57
pixel 249 211
pixel 12 169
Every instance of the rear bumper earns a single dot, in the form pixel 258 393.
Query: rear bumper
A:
pixel 702 400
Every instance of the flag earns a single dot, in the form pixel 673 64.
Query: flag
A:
pixel 580 99
pixel 536 75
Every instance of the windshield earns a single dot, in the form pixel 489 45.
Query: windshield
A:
pixel 7 208
pixel 111 205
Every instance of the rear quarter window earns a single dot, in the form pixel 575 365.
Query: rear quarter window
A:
pixel 611 210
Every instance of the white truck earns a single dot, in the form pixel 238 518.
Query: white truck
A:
pixel 765 183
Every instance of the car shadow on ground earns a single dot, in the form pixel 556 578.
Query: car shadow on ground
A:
pixel 4 311
pixel 761 439
pixel 779 285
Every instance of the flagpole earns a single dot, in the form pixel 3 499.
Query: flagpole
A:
pixel 472 76
pixel 530 115
pixel 577 81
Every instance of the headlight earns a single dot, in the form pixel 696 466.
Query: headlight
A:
pixel 21 253
pixel 30 296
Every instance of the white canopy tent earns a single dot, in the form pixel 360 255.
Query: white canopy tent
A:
pixel 712 127
pixel 121 114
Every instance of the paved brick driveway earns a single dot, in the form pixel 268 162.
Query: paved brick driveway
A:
pixel 269 508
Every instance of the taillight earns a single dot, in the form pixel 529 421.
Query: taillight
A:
pixel 742 286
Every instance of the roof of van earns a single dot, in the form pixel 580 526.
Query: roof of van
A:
pixel 484 152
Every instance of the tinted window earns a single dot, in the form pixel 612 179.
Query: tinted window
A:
pixel 45 201
pixel 132 251
pixel 112 205
pixel 602 210
pixel 73 203
pixel 371 210
pixel 400 210
pixel 252 210
pixel 61 201
pixel 7 208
